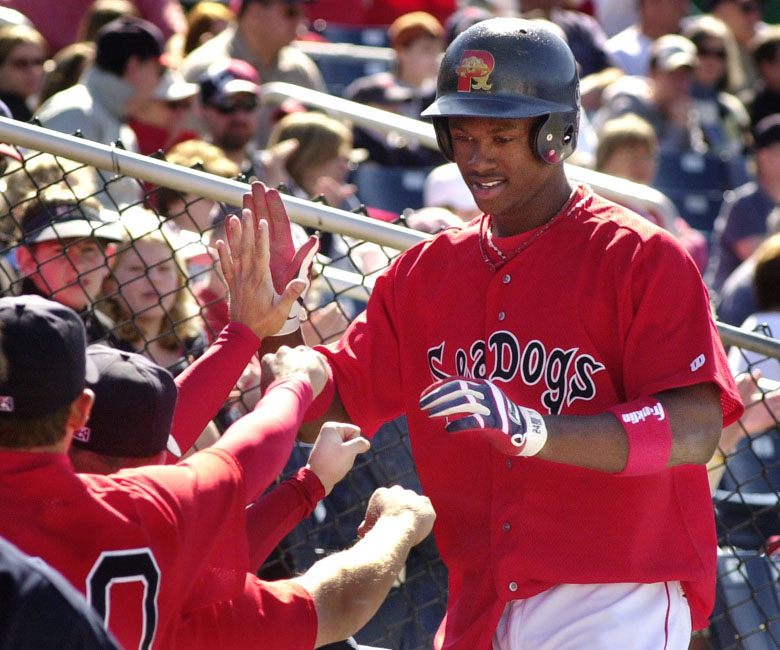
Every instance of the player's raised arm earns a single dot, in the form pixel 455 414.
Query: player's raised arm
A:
pixel 261 440
pixel 674 427
pixel 274 515
pixel 286 263
pixel 349 587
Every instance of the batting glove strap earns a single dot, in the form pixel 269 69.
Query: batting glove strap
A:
pixel 479 405
pixel 297 314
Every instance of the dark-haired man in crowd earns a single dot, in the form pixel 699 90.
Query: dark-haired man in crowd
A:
pixel 124 76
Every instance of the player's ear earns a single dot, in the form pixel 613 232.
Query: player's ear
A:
pixel 80 409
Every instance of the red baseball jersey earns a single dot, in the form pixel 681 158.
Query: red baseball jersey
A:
pixel 597 308
pixel 269 615
pixel 141 544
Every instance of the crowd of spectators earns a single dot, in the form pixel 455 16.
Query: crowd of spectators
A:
pixel 664 83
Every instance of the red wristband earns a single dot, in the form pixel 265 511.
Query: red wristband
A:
pixel 646 424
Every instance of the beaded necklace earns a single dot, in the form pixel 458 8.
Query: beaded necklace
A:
pixel 485 235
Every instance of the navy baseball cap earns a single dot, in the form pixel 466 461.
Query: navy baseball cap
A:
pixel 226 78
pixel 44 343
pixel 766 132
pixel 62 220
pixel 134 404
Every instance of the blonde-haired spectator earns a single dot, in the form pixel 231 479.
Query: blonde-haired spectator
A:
pixel 205 20
pixel 147 295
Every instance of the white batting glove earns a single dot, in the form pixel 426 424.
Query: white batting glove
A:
pixel 293 321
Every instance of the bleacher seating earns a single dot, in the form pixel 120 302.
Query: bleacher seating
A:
pixel 696 182
pixel 390 188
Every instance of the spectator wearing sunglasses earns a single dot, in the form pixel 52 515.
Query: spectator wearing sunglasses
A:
pixel 744 19
pixel 22 53
pixel 717 74
pixel 230 107
pixel 261 36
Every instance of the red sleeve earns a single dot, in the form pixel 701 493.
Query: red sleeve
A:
pixel 200 502
pixel 262 440
pixel 275 514
pixel 671 313
pixel 206 384
pixel 356 374
pixel 271 615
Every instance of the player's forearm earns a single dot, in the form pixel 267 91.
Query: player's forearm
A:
pixel 600 442
pixel 261 440
pixel 205 385
pixel 275 514
pixel 349 587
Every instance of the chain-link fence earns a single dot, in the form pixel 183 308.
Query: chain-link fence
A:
pixel 147 282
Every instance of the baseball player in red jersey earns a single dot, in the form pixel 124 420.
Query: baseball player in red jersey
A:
pixel 561 373
pixel 149 546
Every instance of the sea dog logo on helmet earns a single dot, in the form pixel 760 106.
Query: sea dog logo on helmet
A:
pixel 474 69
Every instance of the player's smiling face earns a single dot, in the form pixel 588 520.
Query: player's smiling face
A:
pixel 505 177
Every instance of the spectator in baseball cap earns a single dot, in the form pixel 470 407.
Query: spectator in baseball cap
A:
pixel 230 102
pixel 418 40
pixel 743 220
pixel 161 123
pixel 62 252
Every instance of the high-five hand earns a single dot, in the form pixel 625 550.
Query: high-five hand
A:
pixel 244 259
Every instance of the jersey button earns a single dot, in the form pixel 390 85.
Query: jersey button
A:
pixel 513 586
pixel 506 279
pixel 509 463
pixel 501 315
pixel 506 526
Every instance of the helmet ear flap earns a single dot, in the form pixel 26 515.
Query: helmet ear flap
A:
pixel 556 137
pixel 443 137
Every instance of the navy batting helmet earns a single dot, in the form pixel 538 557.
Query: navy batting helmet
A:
pixel 510 68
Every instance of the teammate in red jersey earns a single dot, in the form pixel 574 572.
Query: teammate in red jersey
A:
pixel 151 546
pixel 561 373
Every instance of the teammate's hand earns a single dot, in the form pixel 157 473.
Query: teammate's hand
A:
pixel 479 405
pixel 295 362
pixel 334 452
pixel 244 260
pixel 286 263
pixel 408 506
pixel 275 159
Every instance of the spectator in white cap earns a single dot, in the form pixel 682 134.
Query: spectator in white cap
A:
pixel 161 122
pixel 664 98
pixel 63 250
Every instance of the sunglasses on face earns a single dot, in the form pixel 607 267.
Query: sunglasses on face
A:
pixel 703 51
pixel 749 7
pixel 180 105
pixel 292 10
pixel 246 105
pixel 23 64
